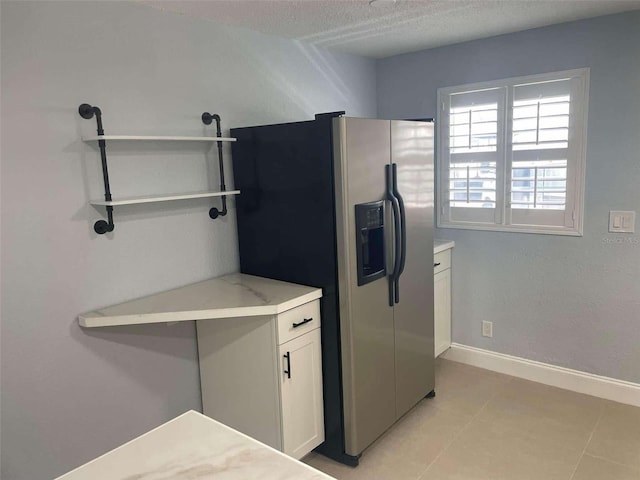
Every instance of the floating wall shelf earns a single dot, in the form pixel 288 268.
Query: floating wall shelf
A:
pixel 154 138
pixel 87 111
pixel 135 200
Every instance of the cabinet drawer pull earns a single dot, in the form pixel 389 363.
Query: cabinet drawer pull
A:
pixel 306 320
pixel 436 264
pixel 288 370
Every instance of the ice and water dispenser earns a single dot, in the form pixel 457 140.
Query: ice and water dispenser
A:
pixel 370 255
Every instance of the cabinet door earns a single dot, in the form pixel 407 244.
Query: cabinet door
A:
pixel 301 386
pixel 442 310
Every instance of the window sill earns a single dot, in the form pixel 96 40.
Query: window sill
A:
pixel 563 231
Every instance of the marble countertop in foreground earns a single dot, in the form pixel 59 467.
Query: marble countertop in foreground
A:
pixel 230 296
pixel 194 446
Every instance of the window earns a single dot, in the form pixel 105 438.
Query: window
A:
pixel 511 154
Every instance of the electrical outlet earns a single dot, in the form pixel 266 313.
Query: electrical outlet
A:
pixel 487 329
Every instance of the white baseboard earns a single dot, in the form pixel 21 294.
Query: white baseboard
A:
pixel 574 380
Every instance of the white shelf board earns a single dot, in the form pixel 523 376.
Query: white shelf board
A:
pixel 169 198
pixel 158 137
pixel 232 296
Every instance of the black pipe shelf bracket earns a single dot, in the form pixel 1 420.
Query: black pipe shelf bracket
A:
pixel 207 118
pixel 87 112
pixel 101 227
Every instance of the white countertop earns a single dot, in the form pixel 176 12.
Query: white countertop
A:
pixel 442 245
pixel 235 295
pixel 194 446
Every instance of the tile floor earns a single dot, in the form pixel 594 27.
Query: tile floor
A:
pixel 487 426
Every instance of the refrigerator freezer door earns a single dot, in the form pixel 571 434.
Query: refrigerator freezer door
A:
pixel 361 151
pixel 412 151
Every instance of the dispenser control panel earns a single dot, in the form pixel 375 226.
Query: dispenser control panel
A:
pixel 370 244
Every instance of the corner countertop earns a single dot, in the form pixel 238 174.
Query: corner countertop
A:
pixel 442 245
pixel 235 295
pixel 194 446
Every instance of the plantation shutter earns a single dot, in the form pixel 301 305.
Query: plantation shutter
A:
pixel 540 154
pixel 473 149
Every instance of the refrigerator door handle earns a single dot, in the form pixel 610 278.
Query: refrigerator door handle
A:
pixel 395 205
pixel 403 221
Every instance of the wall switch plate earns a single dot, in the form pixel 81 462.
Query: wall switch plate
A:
pixel 487 329
pixel 622 221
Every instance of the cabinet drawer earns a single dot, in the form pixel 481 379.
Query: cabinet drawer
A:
pixel 297 321
pixel 441 261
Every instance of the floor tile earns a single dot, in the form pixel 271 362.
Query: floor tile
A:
pixel 418 438
pixel 335 469
pixel 464 389
pixel 617 436
pixel 591 468
pixel 370 468
pixel 560 417
pixel 483 451
pixel 486 426
pixel 404 451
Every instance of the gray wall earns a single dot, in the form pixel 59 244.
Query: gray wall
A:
pixel 69 394
pixel 573 302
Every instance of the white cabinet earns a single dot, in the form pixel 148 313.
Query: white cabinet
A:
pixel 262 375
pixel 442 300
pixel 301 388
pixel 442 310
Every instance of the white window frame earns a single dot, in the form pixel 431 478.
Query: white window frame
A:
pixel 576 153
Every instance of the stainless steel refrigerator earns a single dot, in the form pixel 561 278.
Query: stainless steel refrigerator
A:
pixel 346 204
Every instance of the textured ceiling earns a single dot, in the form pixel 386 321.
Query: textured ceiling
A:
pixel 388 28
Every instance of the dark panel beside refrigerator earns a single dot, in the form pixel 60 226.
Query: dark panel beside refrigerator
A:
pixel 286 231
